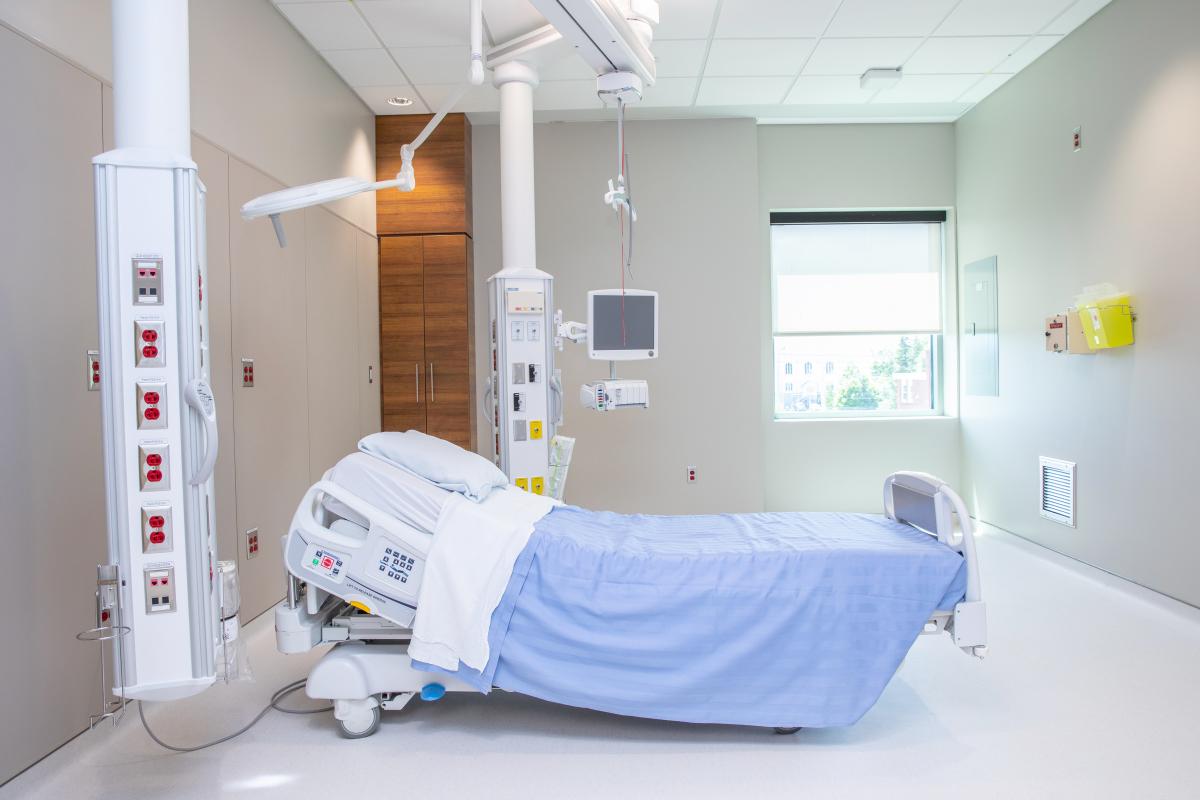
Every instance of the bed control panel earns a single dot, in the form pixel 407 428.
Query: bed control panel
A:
pixel 397 568
pixel 325 562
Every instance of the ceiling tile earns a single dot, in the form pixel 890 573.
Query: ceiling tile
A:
pixel 742 91
pixel 986 85
pixel 1001 17
pixel 927 89
pixel 417 23
pixel 736 57
pixel 670 92
pixel 330 26
pixel 1028 53
pixel 377 96
pixel 1075 16
pixel 476 98
pixel 968 54
pixel 364 67
pixel 856 56
pixel 678 58
pixel 889 17
pixel 508 19
pixel 433 64
pixel 828 90
pixel 564 95
pixel 685 19
pixel 774 18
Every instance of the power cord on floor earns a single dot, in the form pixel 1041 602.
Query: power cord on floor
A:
pixel 274 704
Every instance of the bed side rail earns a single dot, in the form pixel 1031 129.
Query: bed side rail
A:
pixel 929 504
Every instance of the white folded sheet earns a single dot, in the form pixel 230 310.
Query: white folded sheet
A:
pixel 475 546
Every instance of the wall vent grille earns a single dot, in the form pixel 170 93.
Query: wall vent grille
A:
pixel 1056 490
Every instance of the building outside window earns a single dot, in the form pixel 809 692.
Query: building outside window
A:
pixel 862 293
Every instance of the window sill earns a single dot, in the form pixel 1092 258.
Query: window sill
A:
pixel 867 418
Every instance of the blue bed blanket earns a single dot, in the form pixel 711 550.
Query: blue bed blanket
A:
pixel 781 619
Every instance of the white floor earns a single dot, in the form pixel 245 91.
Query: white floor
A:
pixel 1091 690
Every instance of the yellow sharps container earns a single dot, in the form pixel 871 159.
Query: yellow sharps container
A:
pixel 1107 321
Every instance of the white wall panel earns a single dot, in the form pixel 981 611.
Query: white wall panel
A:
pixel 1124 209
pixel 51 484
pixel 268 306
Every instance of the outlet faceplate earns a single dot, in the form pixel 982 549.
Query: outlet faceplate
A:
pixel 154 468
pixel 156 529
pixel 151 405
pixel 93 370
pixel 247 373
pixel 252 543
pixel 160 590
pixel 691 474
pixel 149 347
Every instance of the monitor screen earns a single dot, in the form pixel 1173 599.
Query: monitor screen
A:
pixel 637 332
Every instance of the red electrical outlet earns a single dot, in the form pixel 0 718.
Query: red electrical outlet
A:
pixel 151 405
pixel 156 529
pixel 252 543
pixel 153 467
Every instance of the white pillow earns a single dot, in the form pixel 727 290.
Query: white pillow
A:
pixel 437 461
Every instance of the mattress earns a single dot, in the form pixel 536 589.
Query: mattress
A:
pixel 782 619
pixel 391 489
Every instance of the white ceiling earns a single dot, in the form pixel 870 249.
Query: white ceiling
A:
pixel 771 59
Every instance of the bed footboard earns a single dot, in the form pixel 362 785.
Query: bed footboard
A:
pixel 930 505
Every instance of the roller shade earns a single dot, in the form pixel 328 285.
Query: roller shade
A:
pixel 839 276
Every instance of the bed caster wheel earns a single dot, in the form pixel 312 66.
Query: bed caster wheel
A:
pixel 786 731
pixel 362 725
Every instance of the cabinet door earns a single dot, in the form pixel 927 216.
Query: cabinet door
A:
pixel 402 333
pixel 367 254
pixel 449 328
pixel 334 379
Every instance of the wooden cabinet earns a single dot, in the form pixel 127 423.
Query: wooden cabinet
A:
pixel 426 314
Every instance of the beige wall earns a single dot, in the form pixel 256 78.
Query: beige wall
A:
pixel 695 186
pixel 258 90
pixel 1126 210
pixel 307 314
pixel 840 465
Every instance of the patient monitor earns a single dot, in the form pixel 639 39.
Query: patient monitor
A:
pixel 622 324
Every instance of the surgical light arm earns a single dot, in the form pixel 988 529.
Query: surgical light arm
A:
pixel 314 194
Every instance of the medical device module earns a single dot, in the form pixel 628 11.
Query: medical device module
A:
pixel 616 394
pixel 158 600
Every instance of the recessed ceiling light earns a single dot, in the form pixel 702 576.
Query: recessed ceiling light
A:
pixel 400 101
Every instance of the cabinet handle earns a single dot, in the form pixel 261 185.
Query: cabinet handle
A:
pixel 417 383
pixel 431 398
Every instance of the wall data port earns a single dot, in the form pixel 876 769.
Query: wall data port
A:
pixel 160 590
pixel 148 281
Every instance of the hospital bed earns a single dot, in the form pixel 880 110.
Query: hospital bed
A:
pixel 778 620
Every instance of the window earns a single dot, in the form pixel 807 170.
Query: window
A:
pixel 787 368
pixel 860 292
pixel 787 387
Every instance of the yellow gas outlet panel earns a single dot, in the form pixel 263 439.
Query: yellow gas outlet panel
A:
pixel 535 429
pixel 522 483
pixel 539 485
